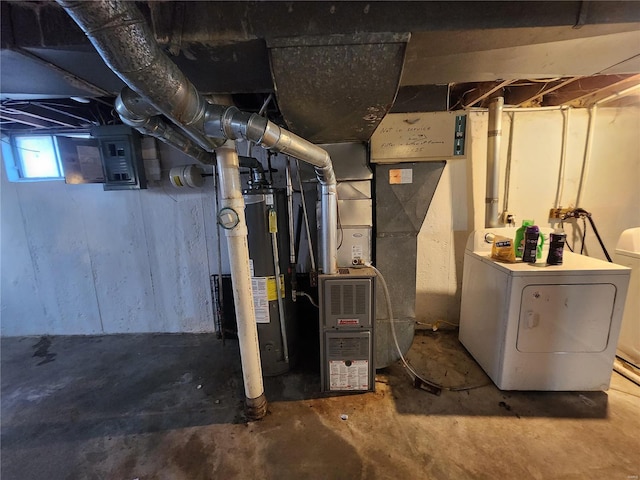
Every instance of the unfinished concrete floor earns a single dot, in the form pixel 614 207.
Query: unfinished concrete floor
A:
pixel 170 407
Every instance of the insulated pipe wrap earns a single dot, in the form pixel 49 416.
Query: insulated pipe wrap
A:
pixel 125 42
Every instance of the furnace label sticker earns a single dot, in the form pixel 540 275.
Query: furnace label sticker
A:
pixel 399 176
pixel 260 300
pixel 356 252
pixel 354 376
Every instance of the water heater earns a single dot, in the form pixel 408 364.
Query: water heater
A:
pixel 267 224
pixel 347 323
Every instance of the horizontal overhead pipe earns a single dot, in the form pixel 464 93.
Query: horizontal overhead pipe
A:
pixel 231 123
pixel 139 114
pixel 121 36
pixel 125 42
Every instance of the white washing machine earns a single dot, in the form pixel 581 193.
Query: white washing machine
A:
pixel 628 254
pixel 539 327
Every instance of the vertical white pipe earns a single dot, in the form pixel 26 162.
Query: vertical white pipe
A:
pixel 587 154
pixel 236 232
pixel 507 173
pixel 563 157
pixel 493 161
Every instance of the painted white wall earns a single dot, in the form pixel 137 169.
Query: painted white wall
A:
pixel 611 191
pixel 80 260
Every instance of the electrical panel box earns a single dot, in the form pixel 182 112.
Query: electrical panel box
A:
pixel 121 154
pixel 347 309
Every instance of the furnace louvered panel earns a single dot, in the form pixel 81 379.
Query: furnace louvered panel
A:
pixel 346 330
pixel 347 303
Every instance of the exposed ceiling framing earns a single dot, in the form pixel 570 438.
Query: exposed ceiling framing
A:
pixel 458 55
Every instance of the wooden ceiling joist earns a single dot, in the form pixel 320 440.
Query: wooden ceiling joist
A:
pixel 588 90
pixel 485 90
pixel 523 96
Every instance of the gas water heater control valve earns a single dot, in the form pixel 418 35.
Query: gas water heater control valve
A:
pixel 228 218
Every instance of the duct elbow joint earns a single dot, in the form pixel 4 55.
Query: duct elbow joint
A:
pixel 237 124
pixel 133 109
pixel 233 124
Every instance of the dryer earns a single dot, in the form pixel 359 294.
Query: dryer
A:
pixel 537 326
pixel 628 254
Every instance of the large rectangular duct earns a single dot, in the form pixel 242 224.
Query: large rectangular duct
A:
pixel 403 193
pixel 337 88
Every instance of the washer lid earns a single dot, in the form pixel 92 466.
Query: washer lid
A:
pixel 629 243
pixel 573 264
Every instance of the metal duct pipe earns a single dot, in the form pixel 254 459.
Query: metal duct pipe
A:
pixel 125 42
pixel 123 39
pixel 231 217
pixel 231 123
pixel 493 162
pixel 139 114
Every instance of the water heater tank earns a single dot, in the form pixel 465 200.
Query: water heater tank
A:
pixel 266 210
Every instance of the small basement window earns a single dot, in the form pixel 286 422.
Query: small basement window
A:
pixel 30 158
pixel 37 157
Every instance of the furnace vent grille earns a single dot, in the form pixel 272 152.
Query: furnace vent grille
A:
pixel 348 303
pixel 348 299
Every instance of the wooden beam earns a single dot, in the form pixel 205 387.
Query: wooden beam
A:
pixel 14 111
pixel 587 90
pixel 523 96
pixel 612 92
pixel 484 90
pixel 31 123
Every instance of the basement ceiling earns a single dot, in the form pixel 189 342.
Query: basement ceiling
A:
pixel 333 63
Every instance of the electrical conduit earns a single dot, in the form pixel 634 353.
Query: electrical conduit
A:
pixel 273 230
